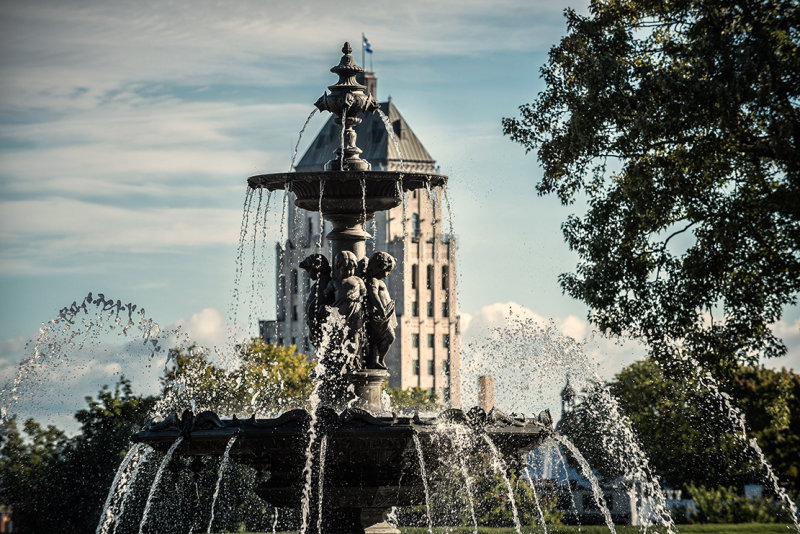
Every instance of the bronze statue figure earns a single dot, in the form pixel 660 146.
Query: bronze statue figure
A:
pixel 381 319
pixel 347 291
pixel 319 270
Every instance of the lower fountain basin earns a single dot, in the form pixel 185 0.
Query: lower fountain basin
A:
pixel 347 191
pixel 370 462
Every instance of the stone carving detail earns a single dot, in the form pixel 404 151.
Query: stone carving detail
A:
pixel 356 290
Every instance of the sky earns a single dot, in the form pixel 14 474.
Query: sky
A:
pixel 128 129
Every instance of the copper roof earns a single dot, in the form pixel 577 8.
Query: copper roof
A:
pixel 372 138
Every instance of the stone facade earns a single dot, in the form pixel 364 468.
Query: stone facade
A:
pixel 426 352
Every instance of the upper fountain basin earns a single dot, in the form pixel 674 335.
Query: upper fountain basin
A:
pixel 347 191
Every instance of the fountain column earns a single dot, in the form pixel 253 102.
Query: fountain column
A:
pixel 347 234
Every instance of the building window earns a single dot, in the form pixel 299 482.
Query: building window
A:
pixel 415 309
pixel 282 285
pixel 414 276
pixel 430 367
pixel 431 340
pixel 446 394
pixel 430 308
pixel 445 309
pixel 429 277
pixel 306 345
pixel 445 277
pixel 294 313
pixel 446 341
pixel 310 233
pixel 294 341
pixel 446 367
pixel 415 226
pixel 280 341
pixel 415 340
pixel 416 367
pixel 294 280
pixel 306 281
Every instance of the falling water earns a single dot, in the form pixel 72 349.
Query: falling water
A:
pixel 390 131
pixel 566 481
pixel 299 137
pixel 333 323
pixel 282 250
pixel 434 220
pixel 107 515
pixel 547 354
pixel 587 472
pixel 263 261
pixel 275 521
pixel 449 209
pixel 323 449
pixel 527 472
pixel 470 498
pixel 500 468
pixel 739 427
pixel 127 487
pixel 364 203
pixel 73 327
pixel 233 310
pixel 253 271
pixel 391 517
pixel 341 139
pixel 225 458
pixel 157 479
pixel 321 220
pixel 424 481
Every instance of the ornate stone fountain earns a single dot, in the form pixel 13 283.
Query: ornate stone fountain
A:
pixel 372 461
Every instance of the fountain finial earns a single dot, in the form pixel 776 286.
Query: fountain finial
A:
pixel 348 99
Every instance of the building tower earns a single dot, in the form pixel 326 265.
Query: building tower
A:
pixel 426 352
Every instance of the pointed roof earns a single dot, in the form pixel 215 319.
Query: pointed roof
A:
pixel 372 139
pixel 568 393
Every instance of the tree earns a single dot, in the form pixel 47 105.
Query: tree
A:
pixel 414 399
pixel 679 427
pixel 679 123
pixel 59 484
pixel 265 377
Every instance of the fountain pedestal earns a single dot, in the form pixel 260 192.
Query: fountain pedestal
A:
pixel 373 460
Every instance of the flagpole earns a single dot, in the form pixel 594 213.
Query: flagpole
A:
pixel 363 59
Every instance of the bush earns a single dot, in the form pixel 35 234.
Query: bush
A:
pixel 725 505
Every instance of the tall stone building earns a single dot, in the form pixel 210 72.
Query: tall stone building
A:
pixel 426 352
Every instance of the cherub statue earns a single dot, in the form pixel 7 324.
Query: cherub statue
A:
pixel 347 291
pixel 319 270
pixel 381 319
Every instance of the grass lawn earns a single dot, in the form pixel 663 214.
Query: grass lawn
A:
pixel 746 528
pixel 743 528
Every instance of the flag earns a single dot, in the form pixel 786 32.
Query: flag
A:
pixel 365 44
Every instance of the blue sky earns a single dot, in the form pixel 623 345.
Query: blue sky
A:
pixel 127 131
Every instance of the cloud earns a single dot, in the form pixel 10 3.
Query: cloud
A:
pixel 789 332
pixel 206 328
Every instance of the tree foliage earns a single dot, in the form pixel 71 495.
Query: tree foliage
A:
pixel 55 483
pixel 680 427
pixel 414 399
pixel 265 377
pixel 679 123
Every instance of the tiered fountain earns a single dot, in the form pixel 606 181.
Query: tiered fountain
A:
pixel 373 459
